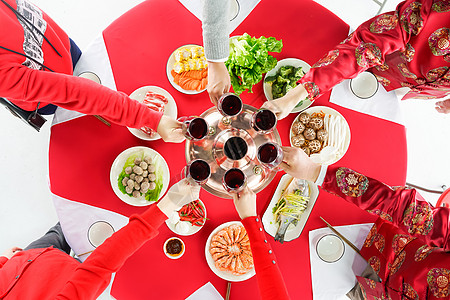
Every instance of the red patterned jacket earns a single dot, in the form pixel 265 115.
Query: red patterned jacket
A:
pixel 408 243
pixel 409 47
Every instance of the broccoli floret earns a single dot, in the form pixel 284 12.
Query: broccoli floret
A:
pixel 298 73
pixel 286 70
pixel 270 79
pixel 281 79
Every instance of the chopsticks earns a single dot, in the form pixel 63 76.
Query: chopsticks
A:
pixel 103 120
pixel 341 236
pixel 85 253
pixel 227 296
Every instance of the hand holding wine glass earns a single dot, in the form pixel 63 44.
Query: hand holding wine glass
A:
pixel 245 203
pixel 297 164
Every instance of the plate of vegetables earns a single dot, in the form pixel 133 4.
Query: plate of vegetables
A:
pixel 187 69
pixel 287 202
pixel 283 78
pixel 139 176
pixel 189 219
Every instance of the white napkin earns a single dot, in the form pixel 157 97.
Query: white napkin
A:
pixel 76 218
pixel 206 292
pixel 332 281
pixel 384 105
pixel 245 8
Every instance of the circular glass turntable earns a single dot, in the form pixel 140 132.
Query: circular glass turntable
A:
pixel 232 143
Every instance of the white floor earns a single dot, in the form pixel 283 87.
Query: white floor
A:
pixel 27 211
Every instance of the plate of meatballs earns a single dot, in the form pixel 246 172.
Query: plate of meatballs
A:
pixel 139 176
pixel 322 132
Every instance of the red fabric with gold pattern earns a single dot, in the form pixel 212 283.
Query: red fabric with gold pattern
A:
pixel 409 47
pixel 406 246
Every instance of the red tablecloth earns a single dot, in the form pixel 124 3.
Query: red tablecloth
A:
pixel 139 44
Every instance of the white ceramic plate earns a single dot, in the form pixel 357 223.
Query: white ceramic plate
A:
pixel 170 62
pixel 343 136
pixel 191 228
pixel 295 62
pixel 170 109
pixel 268 219
pixel 222 274
pixel 117 168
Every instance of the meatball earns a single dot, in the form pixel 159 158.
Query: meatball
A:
pixel 314 146
pixel 129 190
pixel 136 194
pixel 125 181
pixel 138 170
pixel 128 170
pixel 137 161
pixel 137 186
pixel 152 177
pixel 309 134
pixel 139 179
pixel 130 183
pixel 298 128
pixel 322 135
pixel 143 165
pixel 316 123
pixel 148 160
pixel 298 140
pixel 144 187
pixel 145 173
pixel 304 118
pixel 132 176
pixel 152 185
pixel 151 168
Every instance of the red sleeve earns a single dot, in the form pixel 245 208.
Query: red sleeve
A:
pixel 92 276
pixel 367 46
pixel 3 260
pixel 27 85
pixel 270 281
pixel 403 207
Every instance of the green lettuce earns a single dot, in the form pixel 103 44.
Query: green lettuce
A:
pixel 249 60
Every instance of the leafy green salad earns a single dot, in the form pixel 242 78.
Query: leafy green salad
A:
pixel 142 175
pixel 249 59
pixel 284 80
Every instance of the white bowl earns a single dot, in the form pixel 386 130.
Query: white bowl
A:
pixel 170 109
pixel 211 263
pixel 191 229
pixel 99 232
pixel 117 168
pixel 364 86
pixel 295 62
pixel 330 248
pixel 171 256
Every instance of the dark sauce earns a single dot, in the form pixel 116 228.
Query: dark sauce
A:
pixel 174 247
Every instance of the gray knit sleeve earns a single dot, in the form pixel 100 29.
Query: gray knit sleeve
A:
pixel 216 29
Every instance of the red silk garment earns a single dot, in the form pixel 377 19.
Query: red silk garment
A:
pixel 407 245
pixel 409 47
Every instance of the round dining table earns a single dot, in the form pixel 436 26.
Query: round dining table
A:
pixel 138 46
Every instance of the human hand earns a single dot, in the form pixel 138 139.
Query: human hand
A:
pixel 443 106
pixel 218 80
pixel 170 130
pixel 181 193
pixel 297 164
pixel 11 252
pixel 283 106
pixel 245 203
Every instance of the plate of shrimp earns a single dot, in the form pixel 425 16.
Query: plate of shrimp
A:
pixel 187 69
pixel 228 252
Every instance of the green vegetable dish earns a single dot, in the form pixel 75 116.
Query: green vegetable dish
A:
pixel 142 175
pixel 284 80
pixel 249 59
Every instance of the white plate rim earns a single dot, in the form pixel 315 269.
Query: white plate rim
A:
pixel 169 67
pixel 295 62
pixel 192 229
pixel 170 109
pixel 222 274
pixel 117 167
pixel 326 110
pixel 293 232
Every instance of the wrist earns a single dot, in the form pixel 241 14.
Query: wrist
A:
pixel 167 206
pixel 313 172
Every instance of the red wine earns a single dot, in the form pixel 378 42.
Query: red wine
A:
pixel 198 128
pixel 230 105
pixel 199 170
pixel 264 120
pixel 270 155
pixel 233 179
